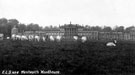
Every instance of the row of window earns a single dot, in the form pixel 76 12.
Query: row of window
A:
pixel 54 33
pixel 87 34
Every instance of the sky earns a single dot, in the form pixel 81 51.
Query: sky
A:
pixel 60 12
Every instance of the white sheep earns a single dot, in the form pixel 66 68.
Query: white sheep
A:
pixel 18 37
pixel 84 38
pixel 75 37
pixel 51 38
pixel 58 38
pixel 13 36
pixel 37 38
pixel 111 43
pixel 43 38
pixel 31 37
pixel 23 37
pixel 8 38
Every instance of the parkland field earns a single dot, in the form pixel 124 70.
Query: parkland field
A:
pixel 76 58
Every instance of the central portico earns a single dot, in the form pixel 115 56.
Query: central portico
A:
pixel 70 30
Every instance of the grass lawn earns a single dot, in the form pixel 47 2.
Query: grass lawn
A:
pixel 76 58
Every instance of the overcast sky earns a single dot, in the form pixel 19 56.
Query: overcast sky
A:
pixel 55 12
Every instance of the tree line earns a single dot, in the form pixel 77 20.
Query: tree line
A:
pixel 7 24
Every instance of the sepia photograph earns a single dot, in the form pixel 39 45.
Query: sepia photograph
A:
pixel 67 37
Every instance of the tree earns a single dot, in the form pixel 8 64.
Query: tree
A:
pixel 21 27
pixel 87 26
pixel 13 22
pixel 3 26
pixel 33 27
pixel 96 28
pixel 119 29
pixel 107 29
pixel 128 29
pixel 3 21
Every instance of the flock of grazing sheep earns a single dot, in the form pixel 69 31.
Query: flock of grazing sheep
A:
pixel 42 38
pixel 51 38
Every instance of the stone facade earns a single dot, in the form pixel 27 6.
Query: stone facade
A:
pixel 68 31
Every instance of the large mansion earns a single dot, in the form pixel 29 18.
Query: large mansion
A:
pixel 67 31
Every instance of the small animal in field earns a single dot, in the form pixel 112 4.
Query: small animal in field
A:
pixel 37 38
pixel 84 39
pixel 75 38
pixel 111 43
pixel 58 38
pixel 51 38
pixel 8 37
